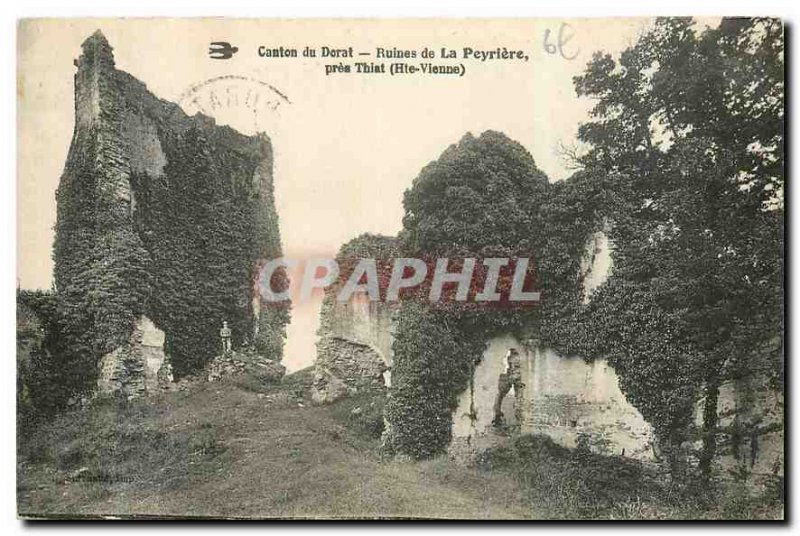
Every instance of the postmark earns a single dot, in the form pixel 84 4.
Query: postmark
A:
pixel 244 103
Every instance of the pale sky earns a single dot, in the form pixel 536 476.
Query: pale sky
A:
pixel 347 145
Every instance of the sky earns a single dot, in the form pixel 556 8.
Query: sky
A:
pixel 346 145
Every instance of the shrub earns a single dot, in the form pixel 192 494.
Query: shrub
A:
pixel 572 482
pixel 52 364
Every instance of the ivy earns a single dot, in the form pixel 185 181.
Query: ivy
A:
pixel 201 227
pixel 182 247
pixel 434 356
pixel 51 357
pixel 482 198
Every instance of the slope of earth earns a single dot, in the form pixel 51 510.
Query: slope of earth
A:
pixel 237 449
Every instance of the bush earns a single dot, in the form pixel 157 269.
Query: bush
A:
pixel 52 366
pixel 433 361
pixel 578 484
pixel 573 482
pixel 362 413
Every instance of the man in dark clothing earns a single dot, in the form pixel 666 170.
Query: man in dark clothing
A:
pixel 512 377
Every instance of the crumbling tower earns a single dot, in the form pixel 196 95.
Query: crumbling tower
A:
pixel 162 222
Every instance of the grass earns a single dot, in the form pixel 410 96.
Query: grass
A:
pixel 577 484
pixel 224 450
pixel 237 449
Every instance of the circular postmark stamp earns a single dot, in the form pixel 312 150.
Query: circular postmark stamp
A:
pixel 246 104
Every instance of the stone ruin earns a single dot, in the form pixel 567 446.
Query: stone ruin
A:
pixel 138 367
pixel 564 397
pixel 120 137
pixel 354 350
pixel 246 362
pixel 752 413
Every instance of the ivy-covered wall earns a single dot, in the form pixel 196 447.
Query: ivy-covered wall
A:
pixel 164 215
pixel 47 374
pixel 484 197
pixel 695 213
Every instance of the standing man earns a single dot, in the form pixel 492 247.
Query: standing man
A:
pixel 512 377
pixel 225 335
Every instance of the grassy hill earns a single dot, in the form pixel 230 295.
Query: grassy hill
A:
pixel 237 449
pixel 228 449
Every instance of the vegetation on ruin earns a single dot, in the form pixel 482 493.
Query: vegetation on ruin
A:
pixel 188 258
pixel 683 160
pixel 481 198
pixel 199 226
pixel 101 274
pixel 382 249
pixel 687 130
pixel 48 373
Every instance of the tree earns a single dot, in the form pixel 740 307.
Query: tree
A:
pixel 479 197
pixel 688 131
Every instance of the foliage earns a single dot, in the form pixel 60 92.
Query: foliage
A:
pixel 49 368
pixel 382 249
pixel 563 483
pixel 476 198
pixel 688 131
pixel 433 360
pixel 100 265
pixel 684 165
pixel 479 199
pixel 574 481
pixel 570 212
pixel 199 226
pixel 182 247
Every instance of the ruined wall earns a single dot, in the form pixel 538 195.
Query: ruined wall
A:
pixel 354 345
pixel 563 397
pixel 138 367
pixel 162 221
pixel 364 322
pixel 247 363
pixel 567 398
pixel 596 263
pixel 354 350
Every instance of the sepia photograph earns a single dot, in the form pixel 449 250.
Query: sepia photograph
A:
pixel 391 269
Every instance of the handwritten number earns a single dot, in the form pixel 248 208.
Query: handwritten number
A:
pixel 565 35
pixel 549 47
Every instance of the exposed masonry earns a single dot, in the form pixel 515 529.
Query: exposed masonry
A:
pixel 350 367
pixel 751 426
pixel 354 350
pixel 245 362
pixel 564 397
pixel 139 366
